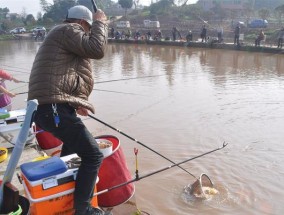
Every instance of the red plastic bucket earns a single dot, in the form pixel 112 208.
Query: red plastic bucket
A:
pixel 50 144
pixel 112 172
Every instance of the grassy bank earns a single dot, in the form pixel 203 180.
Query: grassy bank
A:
pixel 6 37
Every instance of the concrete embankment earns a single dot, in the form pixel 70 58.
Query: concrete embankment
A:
pixel 195 44
pixel 226 46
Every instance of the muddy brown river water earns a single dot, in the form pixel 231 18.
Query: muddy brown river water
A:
pixel 183 102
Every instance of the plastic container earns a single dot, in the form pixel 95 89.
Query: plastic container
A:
pixel 17 212
pixel 105 147
pixel 3 154
pixel 48 143
pixel 112 172
pixel 25 205
pixel 52 194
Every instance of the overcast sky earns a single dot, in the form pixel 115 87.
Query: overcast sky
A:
pixel 33 6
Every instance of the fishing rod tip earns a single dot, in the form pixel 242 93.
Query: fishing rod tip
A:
pixel 225 144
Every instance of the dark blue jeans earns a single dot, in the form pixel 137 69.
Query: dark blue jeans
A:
pixel 76 139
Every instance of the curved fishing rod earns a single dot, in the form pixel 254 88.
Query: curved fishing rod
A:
pixel 137 178
pixel 135 140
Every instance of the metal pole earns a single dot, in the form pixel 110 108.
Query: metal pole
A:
pixel 19 147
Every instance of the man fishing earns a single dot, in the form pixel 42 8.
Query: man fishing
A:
pixel 61 80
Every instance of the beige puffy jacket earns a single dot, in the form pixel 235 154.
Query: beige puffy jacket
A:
pixel 62 70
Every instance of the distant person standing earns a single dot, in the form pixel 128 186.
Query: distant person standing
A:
pixel 220 33
pixel 203 34
pixel 174 33
pixel 280 38
pixel 237 35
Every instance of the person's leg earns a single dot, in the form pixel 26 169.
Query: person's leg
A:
pixel 76 138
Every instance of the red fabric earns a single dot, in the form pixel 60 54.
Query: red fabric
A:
pixel 5 75
pixel 46 140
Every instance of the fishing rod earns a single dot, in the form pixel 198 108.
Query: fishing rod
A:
pixel 95 7
pixel 126 79
pixel 137 178
pixel 135 140
pixel 110 91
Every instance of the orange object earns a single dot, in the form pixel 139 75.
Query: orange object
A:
pixel 112 172
pixel 54 194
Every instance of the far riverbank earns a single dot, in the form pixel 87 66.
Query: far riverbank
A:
pixel 196 44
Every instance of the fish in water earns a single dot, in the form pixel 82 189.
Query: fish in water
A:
pixel 206 192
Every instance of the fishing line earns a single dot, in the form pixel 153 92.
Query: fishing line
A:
pixel 135 140
pixel 137 178
pixel 137 112
pixel 141 110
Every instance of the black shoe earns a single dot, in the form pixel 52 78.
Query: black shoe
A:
pixel 90 211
